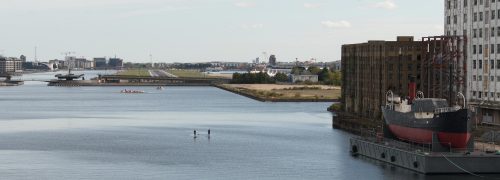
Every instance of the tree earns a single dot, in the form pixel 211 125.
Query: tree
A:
pixel 281 77
pixel 298 70
pixel 314 70
pixel 323 75
pixel 252 78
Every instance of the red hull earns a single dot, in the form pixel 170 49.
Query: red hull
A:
pixel 424 136
pixel 457 140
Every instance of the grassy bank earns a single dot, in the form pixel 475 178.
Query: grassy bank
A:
pixel 290 93
pixel 186 73
pixel 134 72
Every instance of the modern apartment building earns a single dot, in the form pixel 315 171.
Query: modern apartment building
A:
pixel 479 22
pixel 9 65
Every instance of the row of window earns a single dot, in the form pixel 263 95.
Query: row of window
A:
pixel 480 78
pixel 486 94
pixel 478 49
pixel 476 17
pixel 475 2
pixel 479 64
pixel 479 32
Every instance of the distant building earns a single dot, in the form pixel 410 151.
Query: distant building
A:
pixel 336 66
pixel 57 64
pixel 70 62
pixel 23 58
pixel 304 77
pixel 115 63
pixel 82 63
pixel 272 71
pixel 272 60
pixel 10 65
pixel 100 63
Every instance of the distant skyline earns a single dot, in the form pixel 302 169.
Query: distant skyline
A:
pixel 208 30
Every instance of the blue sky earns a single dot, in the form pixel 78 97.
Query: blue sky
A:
pixel 208 30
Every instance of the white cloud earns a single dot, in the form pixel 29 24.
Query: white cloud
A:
pixel 311 5
pixel 336 24
pixel 252 26
pixel 386 4
pixel 244 4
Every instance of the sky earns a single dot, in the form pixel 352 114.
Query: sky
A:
pixel 208 30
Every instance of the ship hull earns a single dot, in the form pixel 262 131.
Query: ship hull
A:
pixel 451 128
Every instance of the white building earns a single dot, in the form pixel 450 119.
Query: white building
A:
pixel 479 22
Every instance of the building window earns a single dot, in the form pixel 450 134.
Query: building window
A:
pixel 448 20
pixel 455 19
pixel 465 18
pixel 480 95
pixel 480 16
pixel 448 4
pixel 474 78
pixel 481 33
pixel 480 64
pixel 493 14
pixel 492 32
pixel 474 33
pixel 474 93
pixel 465 3
pixel 498 78
pixel 492 64
pixel 473 64
pixel 480 48
pixel 475 17
pixel 498 64
pixel 492 78
pixel 474 49
pixel 498 48
pixel 475 2
pixel 492 49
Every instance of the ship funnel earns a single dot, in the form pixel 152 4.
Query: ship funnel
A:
pixel 412 89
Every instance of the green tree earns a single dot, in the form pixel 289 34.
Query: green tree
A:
pixel 281 77
pixel 323 75
pixel 337 78
pixel 314 70
pixel 298 70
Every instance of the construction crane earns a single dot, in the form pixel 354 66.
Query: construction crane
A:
pixel 66 54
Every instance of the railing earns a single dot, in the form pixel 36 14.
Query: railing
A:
pixel 445 110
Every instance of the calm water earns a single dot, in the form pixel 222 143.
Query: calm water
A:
pixel 98 133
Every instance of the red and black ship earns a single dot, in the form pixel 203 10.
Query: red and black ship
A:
pixel 418 119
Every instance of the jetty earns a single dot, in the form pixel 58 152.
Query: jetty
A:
pixel 432 158
pixel 127 80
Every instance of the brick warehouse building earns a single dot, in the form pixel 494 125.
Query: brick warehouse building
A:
pixel 371 69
